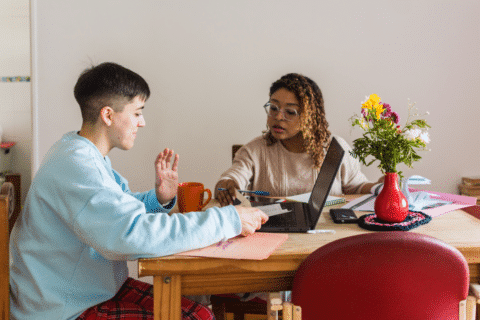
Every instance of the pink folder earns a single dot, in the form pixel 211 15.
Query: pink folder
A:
pixel 258 246
pixel 459 202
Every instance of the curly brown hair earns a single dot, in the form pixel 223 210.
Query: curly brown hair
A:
pixel 313 124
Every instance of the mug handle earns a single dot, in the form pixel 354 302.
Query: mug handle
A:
pixel 209 197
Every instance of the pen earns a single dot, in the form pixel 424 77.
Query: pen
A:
pixel 321 231
pixel 258 193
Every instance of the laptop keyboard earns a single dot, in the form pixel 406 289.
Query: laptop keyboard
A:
pixel 288 222
pixel 289 219
pixel 286 219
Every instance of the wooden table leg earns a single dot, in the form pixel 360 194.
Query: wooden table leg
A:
pixel 167 298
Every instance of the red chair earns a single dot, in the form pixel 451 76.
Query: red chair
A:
pixel 384 275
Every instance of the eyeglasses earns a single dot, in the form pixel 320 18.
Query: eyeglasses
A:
pixel 272 110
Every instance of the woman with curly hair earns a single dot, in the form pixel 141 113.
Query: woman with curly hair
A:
pixel 286 159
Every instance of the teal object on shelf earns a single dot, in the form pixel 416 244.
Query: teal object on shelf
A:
pixel 16 79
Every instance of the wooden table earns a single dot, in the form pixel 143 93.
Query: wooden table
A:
pixel 174 276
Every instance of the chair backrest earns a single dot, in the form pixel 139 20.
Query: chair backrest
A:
pixel 384 275
pixel 6 220
pixel 235 148
pixel 15 195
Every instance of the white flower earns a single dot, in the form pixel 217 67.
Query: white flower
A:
pixel 363 124
pixel 366 99
pixel 412 134
pixel 424 137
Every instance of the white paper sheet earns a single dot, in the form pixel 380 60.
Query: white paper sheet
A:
pixel 273 209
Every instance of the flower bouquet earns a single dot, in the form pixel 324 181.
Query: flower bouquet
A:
pixel 386 141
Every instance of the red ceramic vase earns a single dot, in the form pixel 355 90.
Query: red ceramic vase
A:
pixel 391 205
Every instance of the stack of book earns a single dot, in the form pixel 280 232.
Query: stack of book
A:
pixel 470 186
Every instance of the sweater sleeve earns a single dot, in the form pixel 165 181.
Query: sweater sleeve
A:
pixel 242 169
pixel 352 177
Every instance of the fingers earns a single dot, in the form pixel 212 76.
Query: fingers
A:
pixel 260 215
pixel 226 197
pixel 223 199
pixel 263 216
pixel 168 156
pixel 164 159
pixel 231 189
pixel 175 162
pixel 247 232
pixel 251 219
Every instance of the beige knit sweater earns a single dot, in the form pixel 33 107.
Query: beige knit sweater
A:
pixel 284 173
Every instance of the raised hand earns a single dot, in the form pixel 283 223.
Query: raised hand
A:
pixel 166 181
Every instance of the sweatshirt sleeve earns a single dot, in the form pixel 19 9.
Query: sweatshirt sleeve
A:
pixel 149 198
pixel 117 225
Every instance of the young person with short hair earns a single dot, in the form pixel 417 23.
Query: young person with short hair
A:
pixel 81 222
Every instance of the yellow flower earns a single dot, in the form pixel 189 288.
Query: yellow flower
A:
pixel 372 102
pixel 375 98
pixel 378 110
pixel 367 104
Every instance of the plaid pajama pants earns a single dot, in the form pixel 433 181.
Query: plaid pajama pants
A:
pixel 134 301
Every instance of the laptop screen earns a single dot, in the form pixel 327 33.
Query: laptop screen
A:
pixel 325 179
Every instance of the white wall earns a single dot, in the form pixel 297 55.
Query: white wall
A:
pixel 210 64
pixel 15 101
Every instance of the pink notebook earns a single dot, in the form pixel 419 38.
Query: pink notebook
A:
pixel 258 246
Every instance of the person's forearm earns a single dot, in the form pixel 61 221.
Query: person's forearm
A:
pixel 367 187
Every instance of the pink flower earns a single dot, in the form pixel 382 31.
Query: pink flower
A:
pixel 364 112
pixel 387 107
pixel 395 117
pixel 387 110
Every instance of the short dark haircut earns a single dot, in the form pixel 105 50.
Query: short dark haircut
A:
pixel 106 85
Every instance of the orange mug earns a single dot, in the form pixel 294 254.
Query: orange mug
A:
pixel 190 196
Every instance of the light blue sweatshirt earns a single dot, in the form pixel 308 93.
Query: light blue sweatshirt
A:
pixel 79 225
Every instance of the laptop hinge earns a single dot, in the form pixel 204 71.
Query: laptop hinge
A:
pixel 306 214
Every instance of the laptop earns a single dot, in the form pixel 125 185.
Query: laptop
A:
pixel 301 216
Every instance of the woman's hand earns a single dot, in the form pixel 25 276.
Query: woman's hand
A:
pixel 367 187
pixel 226 197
